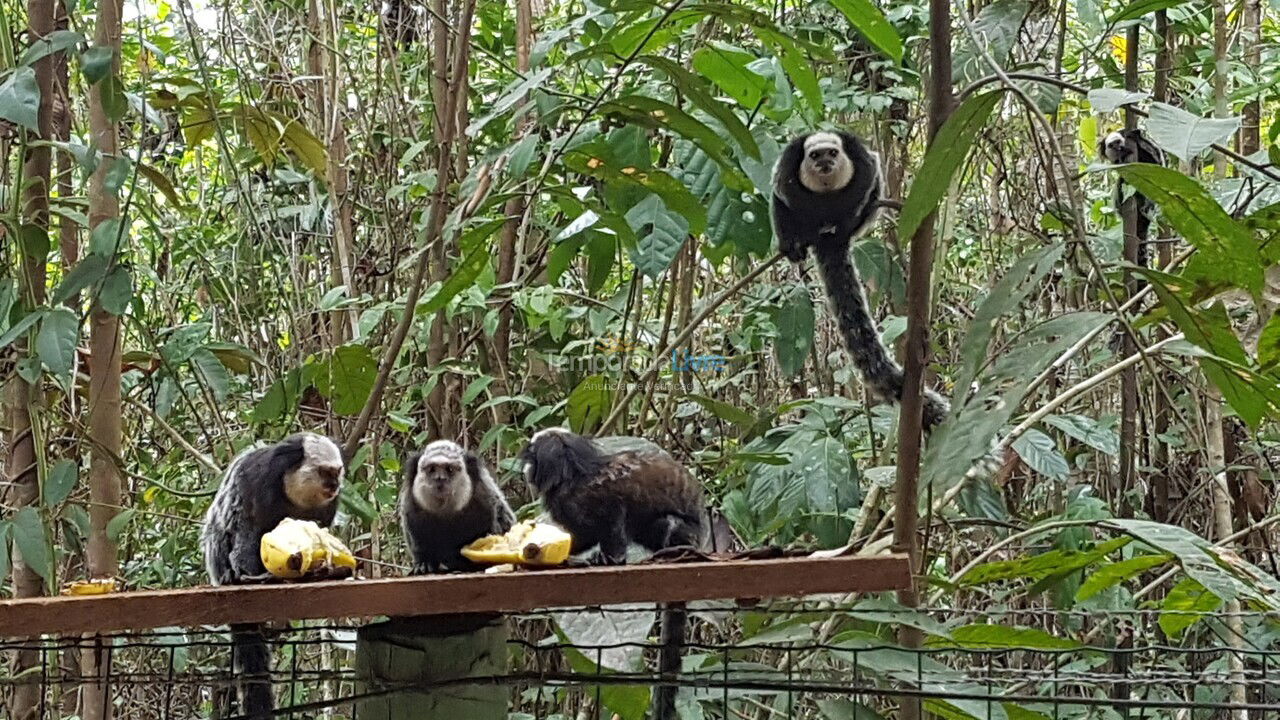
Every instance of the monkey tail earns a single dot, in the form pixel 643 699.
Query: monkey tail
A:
pixel 671 637
pixel 251 661
pixel 848 301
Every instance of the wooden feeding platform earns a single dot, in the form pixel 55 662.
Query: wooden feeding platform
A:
pixel 512 592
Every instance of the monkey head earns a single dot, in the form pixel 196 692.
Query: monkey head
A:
pixel 1115 148
pixel 556 457
pixel 316 479
pixel 826 166
pixel 441 477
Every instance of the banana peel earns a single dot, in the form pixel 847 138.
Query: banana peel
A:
pixel 298 549
pixel 93 586
pixel 526 543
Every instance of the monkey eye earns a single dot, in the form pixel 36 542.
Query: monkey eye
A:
pixel 815 154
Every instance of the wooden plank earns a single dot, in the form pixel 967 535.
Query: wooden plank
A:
pixel 448 594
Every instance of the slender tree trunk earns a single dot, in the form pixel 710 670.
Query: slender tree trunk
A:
pixel 104 423
pixel 915 361
pixel 514 211
pixel 1164 255
pixel 23 467
pixel 1251 33
pixel 1129 378
pixel 1213 410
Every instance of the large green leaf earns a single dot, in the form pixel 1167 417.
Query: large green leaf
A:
pixel 726 66
pixel 795 330
pixel 1040 452
pixel 798 68
pixel 183 342
pixel 31 541
pixel 213 372
pixel 675 194
pixel 519 90
pixel 1142 8
pixel 1088 431
pixel 60 482
pixel 864 16
pixel 1039 567
pixel 1117 572
pixel 56 342
pixel 644 111
pixel 476 246
pixel 1226 253
pixel 117 290
pixel 943 160
pixel 986 636
pixel 660 232
pixel 1111 99
pixel 1186 135
pixel 694 88
pixel 589 403
pixel 21 326
pixel 1185 605
pixel 997 24
pixel 89 271
pixel 54 42
pixel 95 63
pixel 20 99
pixel 346 377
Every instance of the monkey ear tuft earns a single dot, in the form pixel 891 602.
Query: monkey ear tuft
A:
pixel 287 455
pixel 475 466
pixel 411 466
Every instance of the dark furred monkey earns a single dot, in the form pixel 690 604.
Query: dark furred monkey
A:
pixel 1132 146
pixel 448 501
pixel 612 499
pixel 826 192
pixel 641 496
pixel 299 477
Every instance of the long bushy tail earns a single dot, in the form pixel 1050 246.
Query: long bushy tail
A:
pixel 251 661
pixel 848 301
pixel 671 637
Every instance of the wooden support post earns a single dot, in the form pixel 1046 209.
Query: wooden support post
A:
pixel 398 660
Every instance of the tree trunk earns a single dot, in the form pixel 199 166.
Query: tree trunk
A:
pixel 104 422
pixel 23 467
pixel 1164 255
pixel 915 361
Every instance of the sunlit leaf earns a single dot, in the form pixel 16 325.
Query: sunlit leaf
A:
pixel 1186 135
pixel 871 22
pixel 589 403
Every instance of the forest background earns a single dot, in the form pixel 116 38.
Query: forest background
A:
pixel 226 221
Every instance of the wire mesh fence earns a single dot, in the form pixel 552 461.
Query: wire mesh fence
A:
pixel 817 660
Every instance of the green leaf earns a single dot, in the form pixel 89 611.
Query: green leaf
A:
pixel 1038 567
pixel 89 271
pixel 519 91
pixel 17 329
pixel 798 67
pixel 118 524
pixel 95 63
pixel 694 88
pixel 56 342
pixel 1142 8
pixel 1088 431
pixel 279 399
pixel 114 102
pixel 726 66
pixel 1227 254
pixel 1118 572
pixel 522 155
pixel 983 636
pixel 1185 605
pixel 347 378
pixel 1040 452
pixel 474 388
pixel 650 112
pixel 60 482
pixel 117 290
pixel 796 324
pixel 31 541
pixel 1185 135
pixel 183 343
pixel 868 20
pixel 5 564
pixel 162 183
pixel 303 145
pixel 674 193
pixel 475 243
pixel 105 238
pixel 661 234
pixel 1112 99
pixel 943 160
pixel 213 372
pixel 996 25
pixel 589 403
pixel 56 41
pixel 725 411
pixel 1268 344
pixel 20 99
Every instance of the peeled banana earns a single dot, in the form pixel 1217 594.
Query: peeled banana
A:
pixel 302 549
pixel 526 543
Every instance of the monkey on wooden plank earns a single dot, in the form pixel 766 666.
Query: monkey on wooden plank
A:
pixel 299 477
pixel 448 500
pixel 609 500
